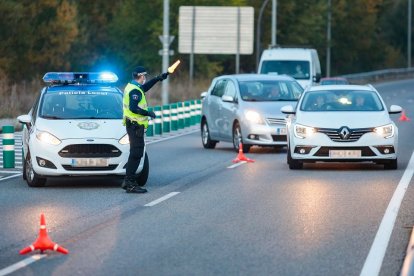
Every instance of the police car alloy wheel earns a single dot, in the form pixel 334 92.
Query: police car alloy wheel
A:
pixel 33 180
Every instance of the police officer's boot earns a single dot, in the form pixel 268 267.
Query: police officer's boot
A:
pixel 131 186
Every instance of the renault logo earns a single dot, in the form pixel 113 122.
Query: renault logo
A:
pixel 344 133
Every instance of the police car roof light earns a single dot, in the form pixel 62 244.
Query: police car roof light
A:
pixel 80 77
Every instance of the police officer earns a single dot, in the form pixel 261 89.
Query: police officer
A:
pixel 136 120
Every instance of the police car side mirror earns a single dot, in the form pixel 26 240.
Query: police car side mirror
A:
pixel 394 109
pixel 203 94
pixel 26 120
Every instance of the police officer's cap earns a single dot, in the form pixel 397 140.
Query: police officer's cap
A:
pixel 139 71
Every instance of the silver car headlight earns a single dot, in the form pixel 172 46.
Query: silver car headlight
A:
pixel 253 117
pixel 46 137
pixel 303 132
pixel 124 140
pixel 386 131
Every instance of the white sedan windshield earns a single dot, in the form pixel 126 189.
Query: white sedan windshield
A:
pixel 81 105
pixel 341 100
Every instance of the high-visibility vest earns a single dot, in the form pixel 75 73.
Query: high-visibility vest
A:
pixel 128 114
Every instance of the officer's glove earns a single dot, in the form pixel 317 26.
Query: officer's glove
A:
pixel 162 76
pixel 151 114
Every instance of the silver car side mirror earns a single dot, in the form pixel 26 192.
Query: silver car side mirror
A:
pixel 227 98
pixel 203 94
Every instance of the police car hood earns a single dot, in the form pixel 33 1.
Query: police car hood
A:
pixel 78 129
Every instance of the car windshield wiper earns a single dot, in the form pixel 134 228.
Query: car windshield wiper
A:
pixel 51 117
pixel 287 100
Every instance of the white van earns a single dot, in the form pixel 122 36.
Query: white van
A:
pixel 301 63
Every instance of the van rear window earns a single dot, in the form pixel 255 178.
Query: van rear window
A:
pixel 297 69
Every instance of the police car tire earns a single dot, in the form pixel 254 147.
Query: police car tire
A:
pixel 36 181
pixel 143 175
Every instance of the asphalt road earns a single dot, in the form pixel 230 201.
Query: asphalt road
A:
pixel 254 219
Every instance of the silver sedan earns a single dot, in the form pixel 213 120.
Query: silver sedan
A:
pixel 246 109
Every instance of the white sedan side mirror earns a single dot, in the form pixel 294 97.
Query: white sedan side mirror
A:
pixel 203 94
pixel 287 109
pixel 394 109
pixel 25 119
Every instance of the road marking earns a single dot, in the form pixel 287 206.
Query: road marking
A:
pixel 21 264
pixel 236 165
pixel 9 171
pixel 168 138
pixel 161 199
pixel 12 176
pixel 372 265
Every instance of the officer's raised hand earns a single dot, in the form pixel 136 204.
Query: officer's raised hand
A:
pixel 151 114
pixel 162 76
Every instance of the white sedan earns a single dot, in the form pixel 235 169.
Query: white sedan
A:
pixel 341 123
pixel 75 129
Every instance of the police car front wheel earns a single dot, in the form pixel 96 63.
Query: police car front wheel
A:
pixel 32 178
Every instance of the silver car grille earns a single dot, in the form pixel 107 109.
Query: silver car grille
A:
pixel 344 134
pixel 276 121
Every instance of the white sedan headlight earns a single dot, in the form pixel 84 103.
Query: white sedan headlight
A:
pixel 253 117
pixel 386 131
pixel 302 131
pixel 124 140
pixel 48 138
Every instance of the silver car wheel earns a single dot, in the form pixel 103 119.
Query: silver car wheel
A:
pixel 205 134
pixel 237 137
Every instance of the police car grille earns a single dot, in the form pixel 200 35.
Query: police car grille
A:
pixel 108 168
pixel 89 151
pixel 354 135
pixel 276 121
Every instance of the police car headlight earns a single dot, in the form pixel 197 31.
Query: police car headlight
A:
pixel 124 140
pixel 47 138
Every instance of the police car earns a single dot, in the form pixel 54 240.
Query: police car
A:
pixel 75 129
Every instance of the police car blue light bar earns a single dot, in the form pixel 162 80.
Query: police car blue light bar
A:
pixel 80 77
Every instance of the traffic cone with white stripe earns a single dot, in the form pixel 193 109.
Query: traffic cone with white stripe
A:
pixel 404 116
pixel 43 242
pixel 241 157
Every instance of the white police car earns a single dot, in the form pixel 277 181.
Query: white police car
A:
pixel 75 129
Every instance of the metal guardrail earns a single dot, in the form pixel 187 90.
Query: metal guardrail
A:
pixel 380 75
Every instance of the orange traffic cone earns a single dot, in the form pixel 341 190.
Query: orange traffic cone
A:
pixel 404 117
pixel 43 242
pixel 241 157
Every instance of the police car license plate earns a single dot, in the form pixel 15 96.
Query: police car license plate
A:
pixel 281 131
pixel 345 153
pixel 90 162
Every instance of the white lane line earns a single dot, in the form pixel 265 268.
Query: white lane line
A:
pixel 161 199
pixel 236 165
pixel 376 254
pixel 9 171
pixel 168 138
pixel 21 264
pixel 12 176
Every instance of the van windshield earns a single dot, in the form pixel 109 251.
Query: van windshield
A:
pixel 297 69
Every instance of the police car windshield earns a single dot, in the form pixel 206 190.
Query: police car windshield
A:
pixel 81 105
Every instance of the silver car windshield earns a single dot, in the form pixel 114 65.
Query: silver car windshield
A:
pixel 341 100
pixel 296 68
pixel 269 90
pixel 81 105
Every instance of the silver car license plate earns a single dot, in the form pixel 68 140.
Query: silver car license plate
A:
pixel 344 153
pixel 281 131
pixel 90 162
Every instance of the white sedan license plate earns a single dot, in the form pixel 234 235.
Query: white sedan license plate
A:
pixel 281 131
pixel 345 153
pixel 90 162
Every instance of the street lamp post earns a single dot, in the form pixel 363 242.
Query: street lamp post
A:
pixel 328 40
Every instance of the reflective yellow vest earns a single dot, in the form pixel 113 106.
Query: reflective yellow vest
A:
pixel 140 119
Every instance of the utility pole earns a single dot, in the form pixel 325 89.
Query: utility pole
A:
pixel 274 22
pixel 165 49
pixel 328 40
pixel 409 34
pixel 258 32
